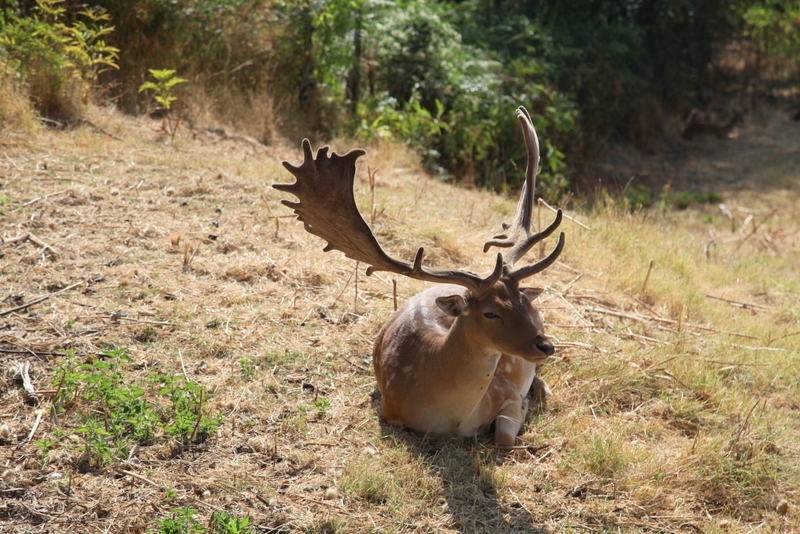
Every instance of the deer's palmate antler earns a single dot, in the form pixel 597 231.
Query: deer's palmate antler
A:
pixel 452 359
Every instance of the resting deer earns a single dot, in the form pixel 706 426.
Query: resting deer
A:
pixel 696 125
pixel 462 354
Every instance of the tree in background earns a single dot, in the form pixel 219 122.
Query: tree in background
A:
pixel 443 76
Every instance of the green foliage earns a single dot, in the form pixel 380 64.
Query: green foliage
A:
pixel 51 56
pixel 224 523
pixel 113 413
pixel 247 368
pixel 450 100
pixel 322 404
pixel 771 25
pixel 162 93
pixel 165 81
pixel 185 520
pixel 442 76
pixel 189 424
pixel 181 521
pixel 639 197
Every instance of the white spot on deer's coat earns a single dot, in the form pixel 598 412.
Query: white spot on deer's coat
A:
pixel 408 368
pixel 508 368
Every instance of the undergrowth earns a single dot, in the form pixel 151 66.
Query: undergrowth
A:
pixel 96 400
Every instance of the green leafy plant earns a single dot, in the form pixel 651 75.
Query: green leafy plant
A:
pixel 162 87
pixel 181 521
pixel 247 368
pixel 190 423
pixel 639 197
pixel 322 404
pixel 113 413
pixel 224 523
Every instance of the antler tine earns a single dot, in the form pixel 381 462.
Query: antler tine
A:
pixel 541 265
pixel 327 208
pixel 517 234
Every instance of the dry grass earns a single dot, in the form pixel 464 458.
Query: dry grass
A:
pixel 16 112
pixel 672 411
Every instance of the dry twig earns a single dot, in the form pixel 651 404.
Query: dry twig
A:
pixel 40 299
pixel 39 415
pixel 37 199
pixel 738 304
pixel 551 208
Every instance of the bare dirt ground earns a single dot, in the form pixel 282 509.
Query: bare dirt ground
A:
pixel 178 255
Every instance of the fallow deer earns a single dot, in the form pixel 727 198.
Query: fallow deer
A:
pixel 459 355
pixel 697 125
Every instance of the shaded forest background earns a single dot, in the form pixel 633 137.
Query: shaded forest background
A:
pixel 442 76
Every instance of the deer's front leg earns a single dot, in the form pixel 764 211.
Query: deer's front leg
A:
pixel 509 422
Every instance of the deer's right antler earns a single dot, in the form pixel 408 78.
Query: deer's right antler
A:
pixel 517 235
pixel 328 209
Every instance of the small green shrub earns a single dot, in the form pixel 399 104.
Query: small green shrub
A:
pixel 162 88
pixel 247 369
pixel 181 521
pixel 113 413
pixel 224 523
pixel 639 197
pixel 58 63
pixel 683 200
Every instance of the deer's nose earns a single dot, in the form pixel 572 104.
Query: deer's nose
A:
pixel 544 346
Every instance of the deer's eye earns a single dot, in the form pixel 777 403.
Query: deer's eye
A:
pixel 490 315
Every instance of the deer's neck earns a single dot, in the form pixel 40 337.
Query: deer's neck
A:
pixel 467 365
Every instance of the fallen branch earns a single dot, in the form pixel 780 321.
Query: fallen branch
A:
pixel 40 299
pixel 35 352
pixel 737 303
pixel 37 199
pixel 12 240
pixel 140 477
pixel 12 162
pixel 26 305
pixel 39 415
pixel 646 319
pixel 118 315
pixel 33 239
pixel 102 131
pixel 767 349
pixel 551 208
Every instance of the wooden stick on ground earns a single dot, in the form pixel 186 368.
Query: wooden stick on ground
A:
pixel 737 303
pixel 39 415
pixel 12 240
pixel 33 239
pixel 37 199
pixel 551 208
pixel 645 319
pixel 647 277
pixel 40 299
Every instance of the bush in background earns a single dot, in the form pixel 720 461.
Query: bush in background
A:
pixel 442 76
pixel 55 55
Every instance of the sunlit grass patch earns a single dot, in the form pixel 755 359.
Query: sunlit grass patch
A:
pixel 268 340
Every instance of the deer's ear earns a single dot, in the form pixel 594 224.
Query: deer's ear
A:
pixel 453 305
pixel 531 292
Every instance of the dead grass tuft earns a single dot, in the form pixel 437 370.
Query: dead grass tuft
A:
pixel 16 113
